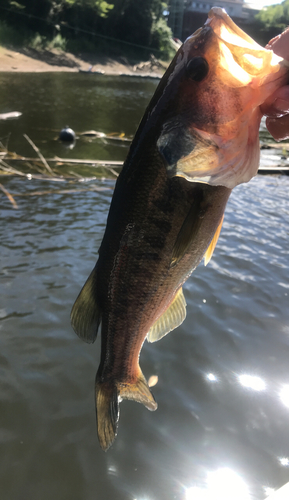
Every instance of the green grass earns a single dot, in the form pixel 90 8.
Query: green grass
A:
pixel 42 42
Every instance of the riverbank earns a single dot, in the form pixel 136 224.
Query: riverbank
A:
pixel 31 60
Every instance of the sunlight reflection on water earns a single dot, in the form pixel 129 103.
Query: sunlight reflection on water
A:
pixel 280 494
pixel 211 377
pixel 284 395
pixel 222 387
pixel 252 382
pixel 222 484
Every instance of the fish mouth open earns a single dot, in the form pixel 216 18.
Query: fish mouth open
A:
pixel 245 73
pixel 240 54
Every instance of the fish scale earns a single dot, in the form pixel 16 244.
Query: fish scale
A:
pixel 198 139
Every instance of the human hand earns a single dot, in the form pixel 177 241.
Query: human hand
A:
pixel 276 107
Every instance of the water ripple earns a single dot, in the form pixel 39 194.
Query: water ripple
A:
pixel 222 376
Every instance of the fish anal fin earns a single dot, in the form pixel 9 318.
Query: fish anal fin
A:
pixel 173 317
pixel 138 391
pixel 86 315
pixel 212 246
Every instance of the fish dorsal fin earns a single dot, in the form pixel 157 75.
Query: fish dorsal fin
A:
pixel 170 319
pixel 86 315
pixel 212 246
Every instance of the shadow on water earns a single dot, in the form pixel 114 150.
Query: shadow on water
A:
pixel 221 429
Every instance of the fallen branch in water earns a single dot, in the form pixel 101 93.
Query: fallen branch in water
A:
pixel 275 145
pixel 38 168
pixel 10 170
pixel 113 136
pixel 56 159
pixel 9 196
pixel 39 153
pixel 65 191
pixel 36 171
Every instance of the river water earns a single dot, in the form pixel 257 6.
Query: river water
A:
pixel 221 428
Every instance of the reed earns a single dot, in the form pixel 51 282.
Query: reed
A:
pixel 48 169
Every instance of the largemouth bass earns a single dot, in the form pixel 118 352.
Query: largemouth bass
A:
pixel 197 140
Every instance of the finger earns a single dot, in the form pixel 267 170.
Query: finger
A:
pixel 277 104
pixel 268 46
pixel 279 44
pixel 278 127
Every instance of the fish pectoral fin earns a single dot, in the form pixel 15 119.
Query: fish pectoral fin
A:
pixel 188 230
pixel 170 319
pixel 138 391
pixel 86 315
pixel 212 246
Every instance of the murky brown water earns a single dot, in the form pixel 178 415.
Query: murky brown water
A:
pixel 221 429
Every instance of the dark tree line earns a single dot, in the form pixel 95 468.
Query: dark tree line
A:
pixel 114 26
pixel 273 20
pixel 139 22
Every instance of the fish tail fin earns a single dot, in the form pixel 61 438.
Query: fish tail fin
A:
pixel 108 395
pixel 107 412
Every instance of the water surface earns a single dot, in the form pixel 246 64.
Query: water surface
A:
pixel 223 390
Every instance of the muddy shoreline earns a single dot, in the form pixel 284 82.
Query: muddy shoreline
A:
pixel 35 61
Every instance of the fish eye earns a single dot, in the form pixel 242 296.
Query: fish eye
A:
pixel 197 69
